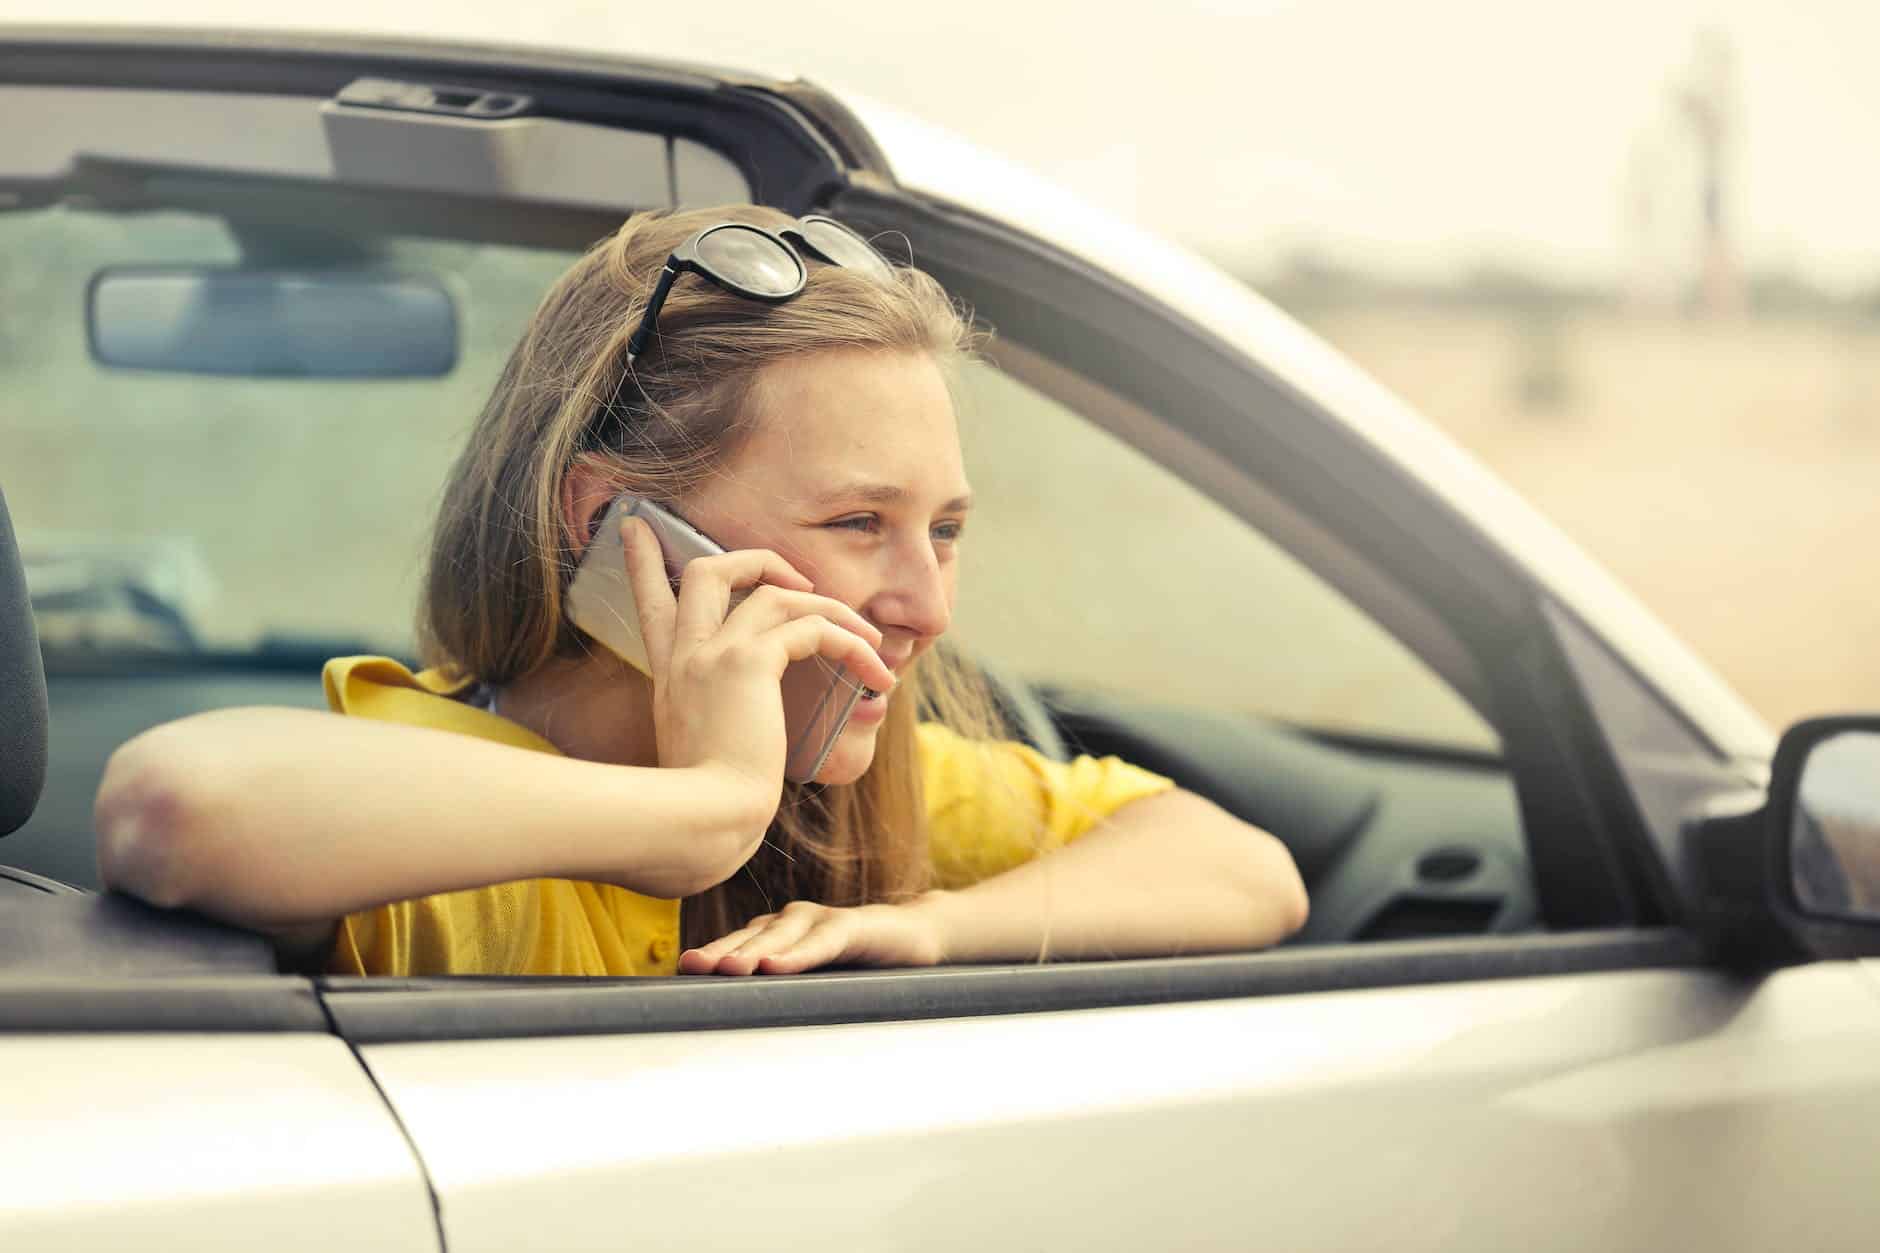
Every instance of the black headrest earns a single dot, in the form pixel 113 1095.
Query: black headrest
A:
pixel 22 690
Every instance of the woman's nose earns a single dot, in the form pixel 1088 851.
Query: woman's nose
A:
pixel 914 596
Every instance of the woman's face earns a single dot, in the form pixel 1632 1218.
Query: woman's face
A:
pixel 853 474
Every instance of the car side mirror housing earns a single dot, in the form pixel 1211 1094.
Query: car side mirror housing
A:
pixel 1795 875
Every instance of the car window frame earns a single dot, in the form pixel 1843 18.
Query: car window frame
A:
pixel 380 1010
pixel 1594 863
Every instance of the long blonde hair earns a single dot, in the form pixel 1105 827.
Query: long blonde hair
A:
pixel 502 557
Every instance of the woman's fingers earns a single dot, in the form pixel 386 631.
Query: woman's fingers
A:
pixel 697 961
pixel 803 638
pixel 770 607
pixel 652 592
pixel 783 930
pixel 707 583
pixel 823 943
pixel 802 937
pixel 782 611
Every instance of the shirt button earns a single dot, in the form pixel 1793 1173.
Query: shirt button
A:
pixel 660 950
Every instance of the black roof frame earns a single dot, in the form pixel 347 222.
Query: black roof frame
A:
pixel 762 125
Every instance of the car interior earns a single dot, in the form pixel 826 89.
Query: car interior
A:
pixel 245 328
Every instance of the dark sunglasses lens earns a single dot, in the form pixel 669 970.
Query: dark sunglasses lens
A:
pixel 751 260
pixel 847 249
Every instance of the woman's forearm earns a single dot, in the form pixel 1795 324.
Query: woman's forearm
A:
pixel 1166 875
pixel 275 818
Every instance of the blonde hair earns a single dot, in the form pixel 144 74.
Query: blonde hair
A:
pixel 502 557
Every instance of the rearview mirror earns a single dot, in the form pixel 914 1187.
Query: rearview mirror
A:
pixel 1834 824
pixel 272 323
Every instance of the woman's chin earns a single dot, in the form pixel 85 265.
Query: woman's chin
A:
pixel 849 760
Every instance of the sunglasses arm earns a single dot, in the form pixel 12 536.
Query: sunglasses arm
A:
pixel 644 331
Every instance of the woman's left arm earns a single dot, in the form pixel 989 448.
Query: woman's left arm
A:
pixel 1165 875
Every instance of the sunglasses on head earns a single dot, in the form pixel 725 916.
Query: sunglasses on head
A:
pixel 759 264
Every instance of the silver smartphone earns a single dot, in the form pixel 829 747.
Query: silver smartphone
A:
pixel 818 695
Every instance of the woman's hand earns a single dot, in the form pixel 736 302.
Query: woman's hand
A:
pixel 804 936
pixel 718 666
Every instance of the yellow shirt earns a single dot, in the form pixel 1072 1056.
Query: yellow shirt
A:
pixel 990 807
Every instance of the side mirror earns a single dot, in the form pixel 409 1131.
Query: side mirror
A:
pixel 1798 876
pixel 1832 797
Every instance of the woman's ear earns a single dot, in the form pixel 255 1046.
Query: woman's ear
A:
pixel 586 491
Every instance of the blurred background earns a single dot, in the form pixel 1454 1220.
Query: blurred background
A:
pixel 1628 255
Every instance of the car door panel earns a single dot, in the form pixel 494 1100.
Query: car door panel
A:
pixel 1614 1110
pixel 201 1141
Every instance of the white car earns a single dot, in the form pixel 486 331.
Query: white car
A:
pixel 1568 982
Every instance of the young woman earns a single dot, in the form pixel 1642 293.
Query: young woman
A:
pixel 531 804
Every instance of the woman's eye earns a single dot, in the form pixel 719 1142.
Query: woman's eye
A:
pixel 870 524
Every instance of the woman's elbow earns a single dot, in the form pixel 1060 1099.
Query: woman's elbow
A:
pixel 149 818
pixel 1295 905
pixel 1263 895
pixel 1284 905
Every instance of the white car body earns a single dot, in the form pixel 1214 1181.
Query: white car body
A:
pixel 1662 1102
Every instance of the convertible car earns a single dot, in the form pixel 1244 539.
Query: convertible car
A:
pixel 1585 963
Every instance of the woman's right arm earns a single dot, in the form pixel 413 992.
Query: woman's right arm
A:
pixel 276 819
pixel 284 820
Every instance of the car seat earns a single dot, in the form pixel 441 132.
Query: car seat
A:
pixel 22 712
pixel 22 690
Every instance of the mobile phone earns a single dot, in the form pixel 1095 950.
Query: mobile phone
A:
pixel 818 696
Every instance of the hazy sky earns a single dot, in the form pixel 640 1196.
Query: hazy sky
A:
pixel 1408 135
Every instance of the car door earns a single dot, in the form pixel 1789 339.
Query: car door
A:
pixel 1654 1105
pixel 179 1103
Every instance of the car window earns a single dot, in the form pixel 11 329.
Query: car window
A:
pixel 1091 566
pixel 235 512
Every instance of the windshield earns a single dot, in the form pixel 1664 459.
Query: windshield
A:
pixel 191 512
